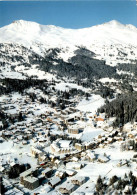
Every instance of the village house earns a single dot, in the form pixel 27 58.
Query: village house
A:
pixel 42 157
pixel 132 134
pixel 47 172
pixel 74 165
pixel 60 174
pixel 89 145
pixel 75 159
pixel 99 119
pixel 28 180
pixel 67 188
pixel 79 146
pixel 78 180
pixel 102 159
pixel 128 145
pixel 58 163
pixel 101 145
pixel 71 172
pixel 69 119
pixel 54 181
pixel 24 142
pixel 31 182
pixel 90 156
pixel 35 152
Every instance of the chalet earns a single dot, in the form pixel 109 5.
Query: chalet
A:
pixel 70 172
pixel 6 135
pixel 110 140
pixel 90 156
pixel 58 163
pixel 79 146
pixel 60 174
pixel 54 181
pixel 42 157
pixel 31 182
pixel 102 159
pixel 131 134
pixel 78 180
pixel 89 145
pixel 35 151
pixel 14 191
pixel 67 188
pixel 128 188
pixel 24 142
pixel 69 119
pixel 45 189
pixel 101 145
pixel 128 145
pixel 35 139
pixel 75 159
pixel 47 172
pixel 73 109
pixel 74 165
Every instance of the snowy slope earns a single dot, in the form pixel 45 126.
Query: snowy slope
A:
pixel 98 39
pixel 31 33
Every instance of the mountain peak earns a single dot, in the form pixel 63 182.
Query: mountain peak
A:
pixel 30 33
pixel 23 23
pixel 114 23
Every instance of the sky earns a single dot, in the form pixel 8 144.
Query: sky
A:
pixel 69 14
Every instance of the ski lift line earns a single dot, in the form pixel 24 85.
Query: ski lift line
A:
pixel 91 102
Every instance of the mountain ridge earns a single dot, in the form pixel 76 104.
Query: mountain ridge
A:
pixel 112 42
pixel 28 33
pixel 111 23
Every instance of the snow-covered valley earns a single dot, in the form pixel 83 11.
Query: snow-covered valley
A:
pixel 68 118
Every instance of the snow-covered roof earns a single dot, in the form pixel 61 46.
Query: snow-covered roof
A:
pixel 55 180
pixel 27 172
pixel 103 158
pixel 78 178
pixel 67 185
pixel 74 165
pixel 31 179
pixel 64 143
pixel 46 170
pixel 70 171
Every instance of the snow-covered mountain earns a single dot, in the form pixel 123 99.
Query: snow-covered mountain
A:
pixel 98 39
pixel 27 33
pixel 112 41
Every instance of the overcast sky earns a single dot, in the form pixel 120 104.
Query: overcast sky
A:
pixel 69 14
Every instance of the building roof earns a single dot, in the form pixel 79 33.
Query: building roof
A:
pixel 31 179
pixel 27 172
pixel 73 165
pixel 64 143
pixel 90 154
pixel 78 178
pixel 70 171
pixel 46 170
pixel 67 185
pixel 54 180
